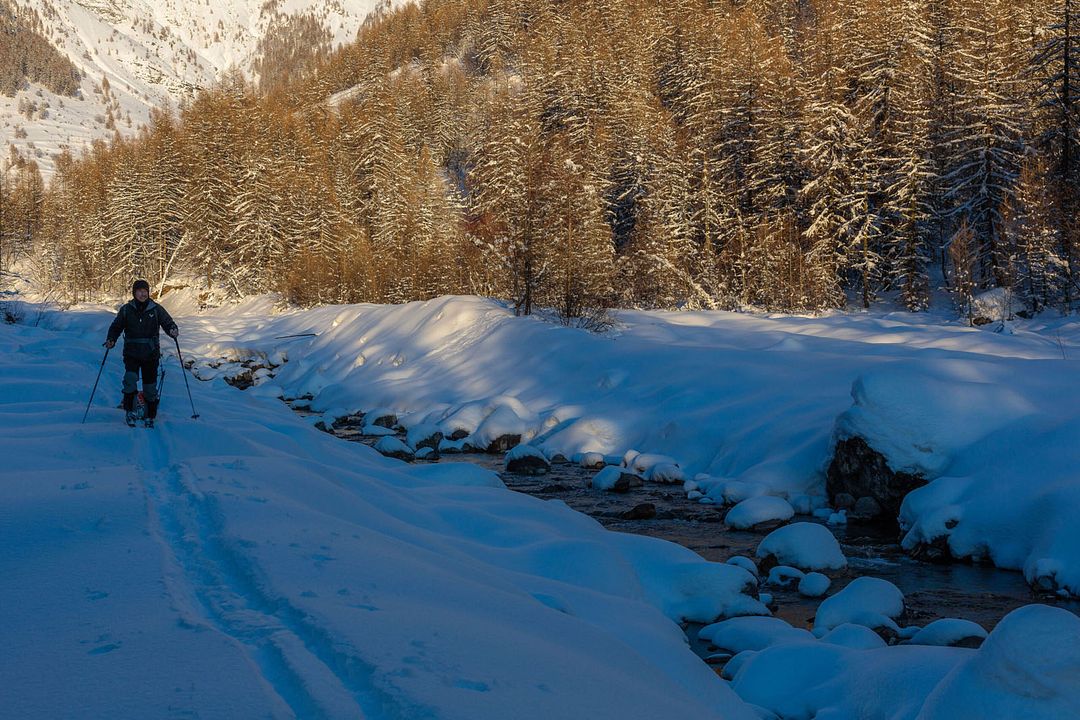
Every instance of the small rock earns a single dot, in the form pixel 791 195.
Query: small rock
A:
pixel 644 511
pixel 392 447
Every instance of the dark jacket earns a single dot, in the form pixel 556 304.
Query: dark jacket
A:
pixel 140 323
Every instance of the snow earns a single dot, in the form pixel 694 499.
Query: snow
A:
pixel 744 562
pixel 814 585
pixel 867 601
pixel 523 451
pixel 607 478
pixel 751 633
pixel 782 575
pixel 246 564
pixel 752 511
pixel 807 546
pixel 947 631
pixel 1028 667
pixel 267 569
pixel 854 636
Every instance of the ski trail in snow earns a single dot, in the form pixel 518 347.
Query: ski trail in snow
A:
pixel 214 586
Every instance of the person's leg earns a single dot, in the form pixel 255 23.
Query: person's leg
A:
pixel 149 385
pixel 131 383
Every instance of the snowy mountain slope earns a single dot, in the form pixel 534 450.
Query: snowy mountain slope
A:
pixel 138 54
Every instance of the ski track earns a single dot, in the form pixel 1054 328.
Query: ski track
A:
pixel 213 584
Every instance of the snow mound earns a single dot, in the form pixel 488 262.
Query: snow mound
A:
pixel 782 576
pixel 807 546
pixel 752 633
pixel 858 637
pixel 814 585
pixel 867 601
pixel 756 510
pixel 1028 667
pixel 947 631
pixel 744 562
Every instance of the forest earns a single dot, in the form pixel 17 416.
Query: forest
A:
pixel 26 54
pixel 576 155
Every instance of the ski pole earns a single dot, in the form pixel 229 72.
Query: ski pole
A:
pixel 180 356
pixel 95 385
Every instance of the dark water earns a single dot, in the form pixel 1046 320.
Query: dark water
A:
pixel 978 593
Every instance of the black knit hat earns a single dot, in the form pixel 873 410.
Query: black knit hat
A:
pixel 140 284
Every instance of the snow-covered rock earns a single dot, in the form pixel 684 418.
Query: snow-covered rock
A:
pixel 752 633
pixel 615 479
pixel 526 460
pixel 758 510
pixel 782 576
pixel 666 473
pixel 950 631
pixel 850 635
pixel 508 424
pixel 591 460
pixel 868 601
pixel 807 546
pixel 391 446
pixel 744 562
pixel 424 435
pixel 814 585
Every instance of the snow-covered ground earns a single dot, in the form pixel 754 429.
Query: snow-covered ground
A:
pixel 245 564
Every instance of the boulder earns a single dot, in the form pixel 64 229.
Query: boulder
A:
pixel 859 471
pixel 424 435
pixel 615 479
pixel 392 447
pixel 382 418
pixel 527 460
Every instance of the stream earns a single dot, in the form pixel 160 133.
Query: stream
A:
pixel 980 593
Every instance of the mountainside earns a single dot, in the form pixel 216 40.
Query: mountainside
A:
pixel 135 55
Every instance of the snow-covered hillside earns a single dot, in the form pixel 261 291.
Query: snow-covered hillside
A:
pixel 139 54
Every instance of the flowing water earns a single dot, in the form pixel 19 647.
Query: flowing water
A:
pixel 978 593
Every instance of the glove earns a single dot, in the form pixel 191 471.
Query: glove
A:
pixel 174 332
pixel 110 344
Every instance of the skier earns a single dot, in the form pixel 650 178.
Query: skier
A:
pixel 139 321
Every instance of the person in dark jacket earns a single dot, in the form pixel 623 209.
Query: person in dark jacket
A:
pixel 139 321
